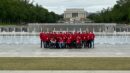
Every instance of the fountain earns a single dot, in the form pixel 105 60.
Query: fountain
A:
pixel 41 30
pixel 67 29
pixel 54 29
pixel 0 29
pixel 80 30
pixel 31 37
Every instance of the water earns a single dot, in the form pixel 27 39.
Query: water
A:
pixel 113 40
pixel 19 40
pixel 23 40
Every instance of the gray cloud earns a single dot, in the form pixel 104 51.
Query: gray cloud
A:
pixel 59 6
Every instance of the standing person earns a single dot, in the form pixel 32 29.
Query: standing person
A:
pixel 83 40
pixel 72 40
pixel 61 42
pixel 64 40
pixel 68 42
pixel 42 38
pixel 92 37
pixel 78 42
pixel 89 40
pixel 47 40
pixel 52 42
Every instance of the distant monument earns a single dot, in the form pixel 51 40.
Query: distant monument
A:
pixel 75 15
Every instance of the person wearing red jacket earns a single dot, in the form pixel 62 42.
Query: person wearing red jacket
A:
pixel 64 40
pixel 46 40
pixel 74 39
pixel 78 41
pixel 92 37
pixel 89 40
pixel 61 42
pixel 52 42
pixel 84 39
pixel 42 38
pixel 68 42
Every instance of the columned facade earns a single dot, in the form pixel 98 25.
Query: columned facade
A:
pixel 75 15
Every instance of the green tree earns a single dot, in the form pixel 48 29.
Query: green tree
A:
pixel 24 11
pixel 120 13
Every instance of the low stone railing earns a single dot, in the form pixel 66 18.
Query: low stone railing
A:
pixel 37 33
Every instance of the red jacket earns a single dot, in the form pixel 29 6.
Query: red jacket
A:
pixel 78 39
pixel 89 36
pixel 42 36
pixel 68 41
pixel 83 37
pixel 61 40
pixel 46 37
pixel 92 36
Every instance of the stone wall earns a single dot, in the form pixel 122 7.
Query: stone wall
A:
pixel 13 28
pixel 47 27
pixel 93 27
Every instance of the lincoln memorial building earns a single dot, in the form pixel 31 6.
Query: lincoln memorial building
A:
pixel 75 15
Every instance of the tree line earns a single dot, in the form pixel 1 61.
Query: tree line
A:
pixel 24 11
pixel 120 13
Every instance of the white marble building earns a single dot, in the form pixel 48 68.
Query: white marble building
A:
pixel 75 15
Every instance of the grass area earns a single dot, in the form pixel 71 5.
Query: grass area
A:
pixel 63 63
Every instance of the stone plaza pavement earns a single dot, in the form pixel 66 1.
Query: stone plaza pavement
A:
pixel 104 50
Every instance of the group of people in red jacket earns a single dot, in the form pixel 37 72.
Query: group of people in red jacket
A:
pixel 67 39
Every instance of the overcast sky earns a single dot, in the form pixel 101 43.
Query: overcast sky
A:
pixel 59 6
